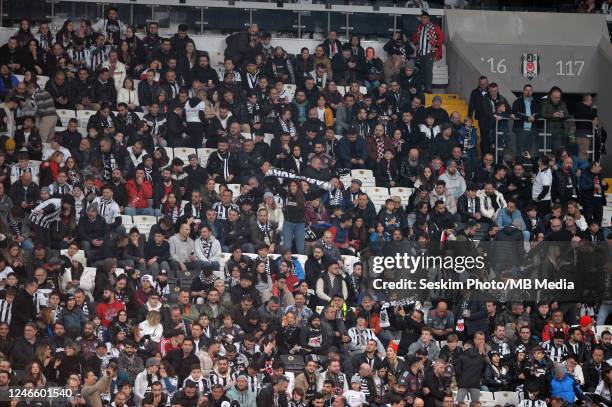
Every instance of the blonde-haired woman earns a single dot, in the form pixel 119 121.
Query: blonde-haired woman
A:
pixel 275 210
pixel 151 326
pixel 572 209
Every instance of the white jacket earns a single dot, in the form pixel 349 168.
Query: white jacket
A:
pixel 119 73
pixel 275 216
pixel 215 250
pixel 486 204
pixel 88 281
pixel 140 386
pixel 128 96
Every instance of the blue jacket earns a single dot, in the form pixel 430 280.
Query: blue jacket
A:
pixel 298 270
pixel 504 218
pixel 14 81
pixel 566 388
pixel 344 151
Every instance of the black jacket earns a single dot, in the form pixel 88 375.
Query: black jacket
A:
pixel 34 142
pixel 469 369
pixel 475 105
pixel 518 108
pixel 215 166
pixel 592 375
pixel 265 398
pixel 204 74
pixel 56 91
pixel 88 230
pixel 19 193
pixel 104 92
pixel 23 351
pixel 438 387
pixel 511 250
pixel 462 207
pixel 147 93
pixel 565 186
pixel 23 302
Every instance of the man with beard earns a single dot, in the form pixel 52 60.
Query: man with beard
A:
pixel 221 164
pixel 307 379
pixel 196 175
pixel 88 340
pixel 188 397
pixel 274 394
pixel 59 340
pixel 109 307
pixel 117 185
pixel 182 359
pixel 370 356
pixel 98 362
pixel 129 362
pixel 336 376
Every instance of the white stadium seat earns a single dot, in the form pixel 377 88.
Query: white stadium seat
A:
pixel 268 137
pixel 144 220
pixel 183 153
pixel 203 154
pixel 235 188
pixel 359 174
pixel 506 398
pixel 42 80
pixel 601 328
pixel 301 258
pixel 403 192
pixel 378 191
pixel 170 152
pixel 83 116
pixel 65 115
pixel 127 222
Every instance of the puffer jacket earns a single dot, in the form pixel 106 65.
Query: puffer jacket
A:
pixel 486 203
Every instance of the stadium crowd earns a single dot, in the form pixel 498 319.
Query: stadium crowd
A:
pixel 217 303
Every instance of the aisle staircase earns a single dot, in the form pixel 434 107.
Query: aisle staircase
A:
pixel 451 102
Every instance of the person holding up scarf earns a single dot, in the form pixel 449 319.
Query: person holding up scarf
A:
pixel 293 226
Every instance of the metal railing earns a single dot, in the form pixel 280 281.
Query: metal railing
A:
pixel 544 131
pixel 229 15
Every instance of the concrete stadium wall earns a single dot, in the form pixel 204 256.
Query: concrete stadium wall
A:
pixel 574 53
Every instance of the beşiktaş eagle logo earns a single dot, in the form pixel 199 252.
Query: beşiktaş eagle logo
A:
pixel 530 65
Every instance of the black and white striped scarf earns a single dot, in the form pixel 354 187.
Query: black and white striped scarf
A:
pixel 335 198
pixel 287 127
pixel 5 311
pixel 225 160
pixel 206 247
